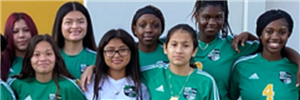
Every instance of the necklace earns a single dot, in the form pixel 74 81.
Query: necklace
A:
pixel 117 91
pixel 204 47
pixel 176 97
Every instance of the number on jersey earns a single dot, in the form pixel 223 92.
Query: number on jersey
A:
pixel 268 91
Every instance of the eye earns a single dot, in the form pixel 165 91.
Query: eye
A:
pixel 26 30
pixel 67 22
pixel 174 44
pixel 269 31
pixel 81 21
pixel 15 31
pixel 36 54
pixel 186 45
pixel 49 53
pixel 156 25
pixel 282 32
pixel 142 25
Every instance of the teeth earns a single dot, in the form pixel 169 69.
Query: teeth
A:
pixel 274 45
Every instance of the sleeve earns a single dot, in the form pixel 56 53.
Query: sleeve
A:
pixel 234 91
pixel 74 92
pixel 214 93
pixel 150 70
pixel 145 93
pixel 6 92
pixel 248 48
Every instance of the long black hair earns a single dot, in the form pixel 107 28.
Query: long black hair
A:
pixel 132 68
pixel 59 66
pixel 88 41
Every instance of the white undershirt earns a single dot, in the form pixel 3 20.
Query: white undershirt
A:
pixel 114 89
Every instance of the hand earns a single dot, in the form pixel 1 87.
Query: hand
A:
pixel 86 77
pixel 243 37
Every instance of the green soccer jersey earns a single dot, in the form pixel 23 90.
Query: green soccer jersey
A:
pixel 161 82
pixel 217 58
pixel 76 64
pixel 16 66
pixel 31 89
pixel 6 92
pixel 255 78
pixel 147 59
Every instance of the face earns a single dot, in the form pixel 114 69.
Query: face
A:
pixel 275 36
pixel 21 35
pixel 116 54
pixel 148 29
pixel 74 26
pixel 210 20
pixel 43 58
pixel 180 48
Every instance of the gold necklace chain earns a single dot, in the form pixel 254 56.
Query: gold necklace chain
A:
pixel 204 47
pixel 177 96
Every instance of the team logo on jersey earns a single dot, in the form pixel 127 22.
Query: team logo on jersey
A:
pixel 129 91
pixel 190 93
pixel 214 55
pixel 285 77
pixel 199 65
pixel 83 67
pixel 52 96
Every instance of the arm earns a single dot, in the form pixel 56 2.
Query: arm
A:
pixel 74 92
pixel 86 77
pixel 293 56
pixel 234 91
pixel 243 37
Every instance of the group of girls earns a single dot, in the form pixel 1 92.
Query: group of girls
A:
pixel 186 65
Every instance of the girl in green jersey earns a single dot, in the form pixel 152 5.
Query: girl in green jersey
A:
pixel 268 74
pixel 18 31
pixel 180 79
pixel 44 75
pixel 215 53
pixel 73 33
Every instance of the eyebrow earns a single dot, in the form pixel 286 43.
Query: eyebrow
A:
pixel 76 19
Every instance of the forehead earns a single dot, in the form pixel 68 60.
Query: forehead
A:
pixel 42 46
pixel 279 23
pixel 20 23
pixel 211 9
pixel 74 14
pixel 115 43
pixel 181 36
pixel 148 17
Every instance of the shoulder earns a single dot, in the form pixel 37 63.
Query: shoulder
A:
pixel 68 83
pixel 90 51
pixel 245 59
pixel 11 81
pixel 158 65
pixel 204 75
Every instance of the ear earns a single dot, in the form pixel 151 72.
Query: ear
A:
pixel 197 17
pixel 133 28
pixel 195 52
pixel 165 48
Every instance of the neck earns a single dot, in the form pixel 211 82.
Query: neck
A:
pixel 43 78
pixel 117 74
pixel 181 70
pixel 271 56
pixel 20 53
pixel 148 48
pixel 73 48
pixel 205 38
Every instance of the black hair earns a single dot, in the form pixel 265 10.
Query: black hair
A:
pixel 223 3
pixel 132 68
pixel 3 43
pixel 88 41
pixel 192 33
pixel 266 18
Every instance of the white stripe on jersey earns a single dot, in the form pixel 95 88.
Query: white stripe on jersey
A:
pixel 215 88
pixel 9 89
pixel 74 82
pixel 243 59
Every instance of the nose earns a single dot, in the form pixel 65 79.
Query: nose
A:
pixel 178 49
pixel 74 25
pixel 275 35
pixel 148 29
pixel 43 57
pixel 212 21
pixel 21 34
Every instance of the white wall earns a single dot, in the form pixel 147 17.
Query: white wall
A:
pixel 114 14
